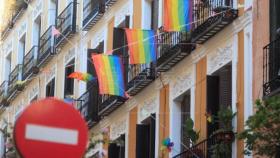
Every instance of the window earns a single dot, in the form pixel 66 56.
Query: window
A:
pixel 8 66
pixel 36 31
pixel 154 10
pixel 185 114
pixel 69 82
pixel 145 138
pixel 274 18
pixel 52 12
pixel 21 49
pixel 50 88
pixel 219 94
pixel 117 148
pixel 34 99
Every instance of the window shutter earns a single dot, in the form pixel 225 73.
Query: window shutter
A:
pixel 212 101
pixel 113 150
pixel 155 13
pixel 152 135
pixel 225 87
pixel 142 141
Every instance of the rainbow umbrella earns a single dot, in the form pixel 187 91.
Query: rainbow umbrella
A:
pixel 82 76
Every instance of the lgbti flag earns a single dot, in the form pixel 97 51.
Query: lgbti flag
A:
pixel 178 15
pixel 142 45
pixel 109 70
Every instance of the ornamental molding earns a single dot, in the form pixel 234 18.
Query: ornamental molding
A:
pixel 8 47
pixel 21 30
pixel 120 15
pixel 182 83
pixel 69 56
pixel 148 107
pixel 118 128
pixel 33 92
pixel 37 10
pixel 50 74
pixel 219 58
pixel 98 38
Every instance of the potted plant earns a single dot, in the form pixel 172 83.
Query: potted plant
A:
pixel 193 136
pixel 262 132
pixel 225 132
pixel 224 136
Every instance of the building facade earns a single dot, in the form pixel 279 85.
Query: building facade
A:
pixel 195 74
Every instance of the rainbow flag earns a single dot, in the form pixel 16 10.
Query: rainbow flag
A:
pixel 178 15
pixel 142 45
pixel 109 70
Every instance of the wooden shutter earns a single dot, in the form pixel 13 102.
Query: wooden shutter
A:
pixel 155 14
pixel 142 141
pixel 225 87
pixel 113 151
pixel 212 101
pixel 152 135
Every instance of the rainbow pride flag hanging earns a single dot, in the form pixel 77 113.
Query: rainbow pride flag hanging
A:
pixel 142 45
pixel 109 70
pixel 178 15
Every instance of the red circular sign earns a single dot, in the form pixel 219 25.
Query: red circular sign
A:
pixel 50 128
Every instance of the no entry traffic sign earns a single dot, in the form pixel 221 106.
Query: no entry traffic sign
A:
pixel 50 129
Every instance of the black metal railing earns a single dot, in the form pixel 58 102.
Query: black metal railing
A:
pixel 66 22
pixel 46 46
pixel 15 75
pixel 271 68
pixel 3 90
pixel 210 17
pixel 207 148
pixel 109 3
pixel 87 104
pixel 30 62
pixel 92 12
pixel 172 47
pixel 108 104
pixel 139 76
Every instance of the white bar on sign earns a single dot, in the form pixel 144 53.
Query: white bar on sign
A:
pixel 51 134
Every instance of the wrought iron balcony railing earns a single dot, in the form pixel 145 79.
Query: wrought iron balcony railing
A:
pixel 87 104
pixel 271 67
pixel 140 76
pixel 30 63
pixel 3 93
pixel 92 12
pixel 109 3
pixel 15 75
pixel 211 16
pixel 66 23
pixel 46 46
pixel 172 48
pixel 109 103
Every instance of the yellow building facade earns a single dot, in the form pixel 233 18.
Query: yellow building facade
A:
pixel 195 73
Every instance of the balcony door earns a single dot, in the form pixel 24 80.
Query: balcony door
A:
pixel 117 148
pixel 274 19
pixel 36 31
pixel 52 12
pixel 145 138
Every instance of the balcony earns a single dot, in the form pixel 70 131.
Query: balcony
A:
pixel 30 63
pixel 4 93
pixel 212 17
pixel 66 24
pixel 46 47
pixel 172 48
pixel 15 75
pixel 108 104
pixel 92 12
pixel 110 3
pixel 17 12
pixel 140 76
pixel 271 66
pixel 87 104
